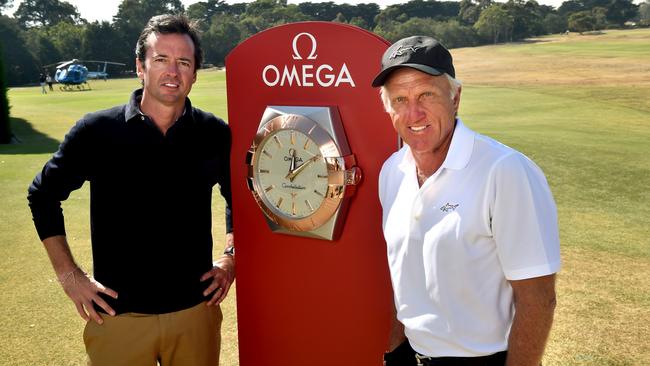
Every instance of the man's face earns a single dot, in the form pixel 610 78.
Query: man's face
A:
pixel 168 70
pixel 422 109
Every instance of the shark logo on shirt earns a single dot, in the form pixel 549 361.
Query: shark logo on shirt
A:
pixel 448 207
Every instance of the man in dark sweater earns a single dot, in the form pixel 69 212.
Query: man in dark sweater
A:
pixel 152 165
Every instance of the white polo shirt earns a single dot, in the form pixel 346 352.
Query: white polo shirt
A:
pixel 485 217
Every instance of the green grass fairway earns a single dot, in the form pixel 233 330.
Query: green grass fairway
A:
pixel 577 105
pixel 615 44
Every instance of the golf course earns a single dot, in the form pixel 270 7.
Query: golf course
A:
pixel 578 105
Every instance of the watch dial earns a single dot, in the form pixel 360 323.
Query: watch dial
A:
pixel 291 173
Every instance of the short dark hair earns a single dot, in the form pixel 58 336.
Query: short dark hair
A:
pixel 170 24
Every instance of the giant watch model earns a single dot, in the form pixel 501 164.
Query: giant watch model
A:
pixel 301 171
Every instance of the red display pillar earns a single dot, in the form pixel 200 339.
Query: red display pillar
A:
pixel 304 301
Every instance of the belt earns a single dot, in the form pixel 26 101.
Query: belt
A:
pixel 497 359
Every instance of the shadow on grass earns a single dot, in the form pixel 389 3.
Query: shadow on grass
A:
pixel 531 41
pixel 29 140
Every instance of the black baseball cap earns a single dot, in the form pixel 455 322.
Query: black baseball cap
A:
pixel 422 53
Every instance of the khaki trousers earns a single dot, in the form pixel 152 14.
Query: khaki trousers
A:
pixel 188 337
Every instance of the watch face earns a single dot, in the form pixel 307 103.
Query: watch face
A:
pixel 291 173
pixel 296 173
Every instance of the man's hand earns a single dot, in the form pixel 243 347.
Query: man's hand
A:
pixel 84 291
pixel 222 274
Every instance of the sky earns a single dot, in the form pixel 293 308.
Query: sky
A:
pixel 93 10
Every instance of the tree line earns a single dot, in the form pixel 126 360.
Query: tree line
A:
pixel 43 32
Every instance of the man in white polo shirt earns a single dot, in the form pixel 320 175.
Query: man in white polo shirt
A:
pixel 470 225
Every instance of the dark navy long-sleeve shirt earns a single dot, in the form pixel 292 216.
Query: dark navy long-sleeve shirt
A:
pixel 150 201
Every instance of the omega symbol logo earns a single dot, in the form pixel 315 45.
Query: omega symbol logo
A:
pixel 312 54
pixel 306 74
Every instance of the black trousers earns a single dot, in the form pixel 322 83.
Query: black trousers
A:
pixel 404 355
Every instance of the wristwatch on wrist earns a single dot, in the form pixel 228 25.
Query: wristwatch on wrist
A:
pixel 230 251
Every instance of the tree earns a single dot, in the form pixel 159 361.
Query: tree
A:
pixel 600 17
pixel 620 11
pixel 286 14
pixel 99 42
pixel 5 4
pixel 205 10
pixel 20 65
pixel 40 44
pixel 582 21
pixel 397 29
pixel 494 23
pixel 340 18
pixel 367 12
pixel 468 12
pixel 131 17
pixel 554 23
pixel 527 17
pixel 67 38
pixel 415 26
pixel 644 13
pixel 264 14
pixel 450 32
pixel 617 11
pixel 326 11
pixel 35 13
pixel 5 125
pixel 453 34
pixel 264 7
pixel 359 22
pixel 222 36
pixel 387 22
pixel 437 10
pixel 571 6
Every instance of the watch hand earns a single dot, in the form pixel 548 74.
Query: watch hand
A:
pixel 292 165
pixel 293 173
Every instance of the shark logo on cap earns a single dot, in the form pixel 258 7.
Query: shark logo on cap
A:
pixel 401 51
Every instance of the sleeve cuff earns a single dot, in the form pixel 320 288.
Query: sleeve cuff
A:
pixel 532 272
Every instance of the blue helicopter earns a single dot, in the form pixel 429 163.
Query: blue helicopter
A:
pixel 73 75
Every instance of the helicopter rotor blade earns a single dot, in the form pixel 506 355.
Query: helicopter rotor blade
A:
pixel 106 62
